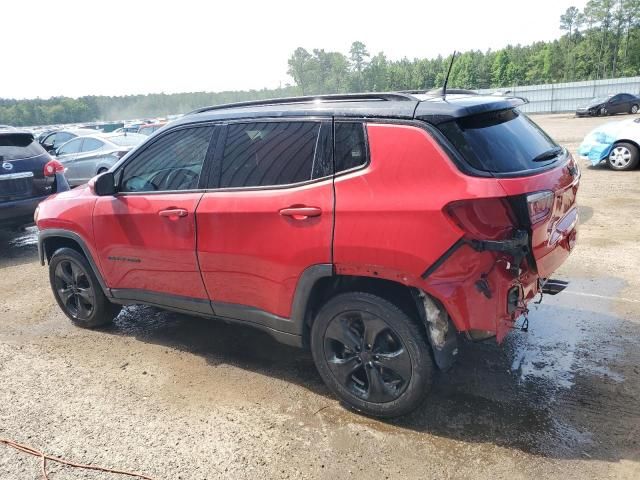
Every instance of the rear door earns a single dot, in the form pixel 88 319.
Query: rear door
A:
pixel 146 233
pixel 67 154
pixel 268 217
pixel 532 169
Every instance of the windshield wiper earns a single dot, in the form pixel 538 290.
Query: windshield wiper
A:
pixel 549 154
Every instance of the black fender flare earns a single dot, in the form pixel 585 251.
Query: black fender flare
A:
pixel 43 235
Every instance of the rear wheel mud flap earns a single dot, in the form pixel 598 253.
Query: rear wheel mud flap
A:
pixel 440 331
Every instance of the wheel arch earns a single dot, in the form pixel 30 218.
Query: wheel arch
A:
pixel 626 140
pixel 53 239
pixel 427 311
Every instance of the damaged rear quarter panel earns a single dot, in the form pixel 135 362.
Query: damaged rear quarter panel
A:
pixel 390 224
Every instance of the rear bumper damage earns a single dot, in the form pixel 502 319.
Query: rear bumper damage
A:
pixel 485 285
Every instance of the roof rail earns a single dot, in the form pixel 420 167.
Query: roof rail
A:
pixel 339 97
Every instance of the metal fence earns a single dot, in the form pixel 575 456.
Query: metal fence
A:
pixel 566 97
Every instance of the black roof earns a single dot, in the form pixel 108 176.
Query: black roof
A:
pixel 428 107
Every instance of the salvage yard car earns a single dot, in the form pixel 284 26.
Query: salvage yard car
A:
pixel 616 143
pixel 24 183
pixel 377 230
pixel 85 157
pixel 610 105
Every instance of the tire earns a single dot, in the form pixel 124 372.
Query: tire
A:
pixel 623 156
pixel 77 290
pixel 389 379
pixel 101 170
pixel 634 109
pixel 603 112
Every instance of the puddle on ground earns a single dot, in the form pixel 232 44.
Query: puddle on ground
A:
pixel 563 330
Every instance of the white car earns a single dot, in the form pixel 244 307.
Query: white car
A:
pixel 617 143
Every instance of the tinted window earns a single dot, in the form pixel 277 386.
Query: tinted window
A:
pixel 173 162
pixel 17 146
pixel 72 146
pixel 91 144
pixel 351 147
pixel 275 153
pixel 501 142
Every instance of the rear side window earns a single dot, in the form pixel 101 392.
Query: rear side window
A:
pixel 91 144
pixel 350 146
pixel 275 153
pixel 15 146
pixel 506 141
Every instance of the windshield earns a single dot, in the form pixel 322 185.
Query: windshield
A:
pixel 15 146
pixel 505 141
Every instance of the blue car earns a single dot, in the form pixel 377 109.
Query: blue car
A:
pixel 616 143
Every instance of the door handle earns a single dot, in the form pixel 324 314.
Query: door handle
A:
pixel 301 213
pixel 173 212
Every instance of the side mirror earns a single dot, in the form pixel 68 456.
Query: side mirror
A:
pixel 103 185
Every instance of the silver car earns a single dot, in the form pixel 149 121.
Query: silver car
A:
pixel 85 157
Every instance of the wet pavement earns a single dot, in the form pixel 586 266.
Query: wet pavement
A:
pixel 183 397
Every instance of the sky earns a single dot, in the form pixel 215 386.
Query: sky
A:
pixel 114 47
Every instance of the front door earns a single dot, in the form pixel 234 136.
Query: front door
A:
pixel 146 233
pixel 67 154
pixel 270 217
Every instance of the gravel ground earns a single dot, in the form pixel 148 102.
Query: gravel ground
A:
pixel 184 398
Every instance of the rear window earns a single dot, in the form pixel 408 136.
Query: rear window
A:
pixel 506 141
pixel 15 146
pixel 130 140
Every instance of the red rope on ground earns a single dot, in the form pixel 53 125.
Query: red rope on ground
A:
pixel 45 457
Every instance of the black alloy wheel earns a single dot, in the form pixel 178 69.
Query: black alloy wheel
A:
pixel 367 357
pixel 373 355
pixel 77 290
pixel 74 289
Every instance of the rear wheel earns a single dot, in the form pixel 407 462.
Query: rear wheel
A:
pixel 634 109
pixel 623 156
pixel 371 354
pixel 101 170
pixel 77 290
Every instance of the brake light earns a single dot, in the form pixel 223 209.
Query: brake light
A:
pixel 484 218
pixel 52 167
pixel 539 205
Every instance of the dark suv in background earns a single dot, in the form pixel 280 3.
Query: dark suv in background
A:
pixel 23 184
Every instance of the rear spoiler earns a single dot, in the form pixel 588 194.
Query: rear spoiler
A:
pixel 437 110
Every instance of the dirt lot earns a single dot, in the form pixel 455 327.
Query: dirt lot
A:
pixel 184 398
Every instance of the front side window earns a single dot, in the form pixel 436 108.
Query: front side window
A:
pixel 72 146
pixel 173 162
pixel 60 138
pixel 275 153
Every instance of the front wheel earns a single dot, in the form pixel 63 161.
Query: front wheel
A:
pixel 371 354
pixel 77 290
pixel 623 156
pixel 603 112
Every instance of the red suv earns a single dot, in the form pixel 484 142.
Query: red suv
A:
pixel 378 230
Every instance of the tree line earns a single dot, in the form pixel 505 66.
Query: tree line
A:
pixel 600 41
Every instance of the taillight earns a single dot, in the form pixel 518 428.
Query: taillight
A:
pixel 52 167
pixel 539 205
pixel 484 218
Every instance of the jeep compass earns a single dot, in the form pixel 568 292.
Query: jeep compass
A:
pixel 378 230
